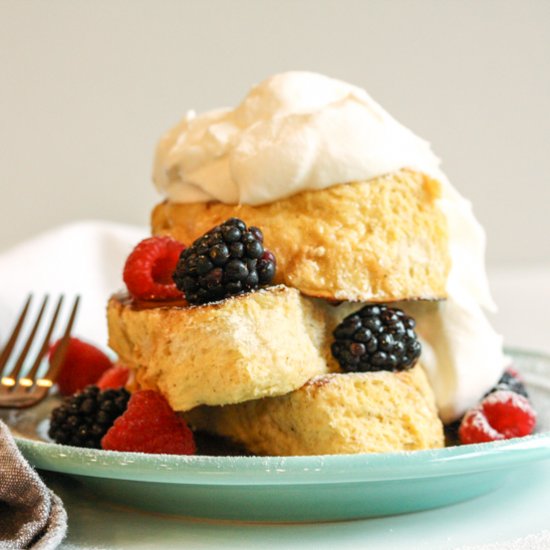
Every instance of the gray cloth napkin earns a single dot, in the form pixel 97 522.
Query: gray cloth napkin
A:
pixel 31 516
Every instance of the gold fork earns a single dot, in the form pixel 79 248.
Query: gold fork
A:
pixel 18 391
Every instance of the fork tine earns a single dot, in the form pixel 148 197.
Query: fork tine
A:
pixel 57 359
pixel 28 380
pixel 25 351
pixel 10 344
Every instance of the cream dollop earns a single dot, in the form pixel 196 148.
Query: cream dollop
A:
pixel 297 131
pixel 294 131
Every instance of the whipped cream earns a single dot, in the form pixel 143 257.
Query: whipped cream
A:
pixel 294 131
pixel 461 352
pixel 298 131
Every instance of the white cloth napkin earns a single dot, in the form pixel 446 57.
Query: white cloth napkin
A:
pixel 83 258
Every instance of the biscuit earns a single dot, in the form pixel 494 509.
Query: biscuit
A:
pixel 381 240
pixel 254 345
pixel 373 412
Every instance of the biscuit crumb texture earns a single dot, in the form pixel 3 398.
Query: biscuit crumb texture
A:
pixel 264 343
pixel 380 240
pixel 334 414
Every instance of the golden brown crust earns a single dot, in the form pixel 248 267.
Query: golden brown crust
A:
pixel 381 240
pixel 334 414
pixel 264 343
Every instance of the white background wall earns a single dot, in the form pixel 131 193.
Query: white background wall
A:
pixel 86 89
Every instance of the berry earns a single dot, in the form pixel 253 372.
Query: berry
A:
pixel 510 381
pixel 502 414
pixel 83 365
pixel 228 260
pixel 149 267
pixel 115 377
pixel 149 425
pixel 83 419
pixel 376 338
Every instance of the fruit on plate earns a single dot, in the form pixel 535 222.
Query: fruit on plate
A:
pixel 112 419
pixel 84 418
pixel 83 365
pixel 149 425
pixel 115 377
pixel 503 414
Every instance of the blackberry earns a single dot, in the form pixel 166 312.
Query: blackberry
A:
pixel 510 381
pixel 376 338
pixel 84 418
pixel 230 259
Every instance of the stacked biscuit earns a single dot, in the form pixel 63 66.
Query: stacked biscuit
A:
pixel 257 368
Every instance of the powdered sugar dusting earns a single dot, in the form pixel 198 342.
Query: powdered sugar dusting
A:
pixel 510 398
pixel 477 420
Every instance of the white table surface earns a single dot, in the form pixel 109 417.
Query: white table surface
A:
pixel 516 516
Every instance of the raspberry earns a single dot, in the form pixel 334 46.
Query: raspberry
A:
pixel 502 414
pixel 228 260
pixel 149 425
pixel 115 377
pixel 149 267
pixel 376 338
pixel 82 366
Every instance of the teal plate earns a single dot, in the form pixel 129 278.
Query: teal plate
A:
pixel 295 489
